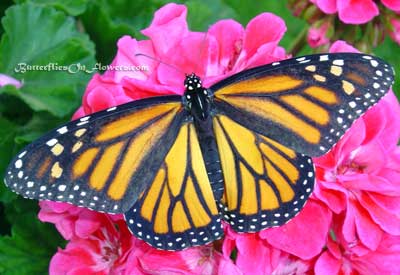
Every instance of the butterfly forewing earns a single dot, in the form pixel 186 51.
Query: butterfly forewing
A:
pixel 178 210
pixel 102 161
pixel 306 103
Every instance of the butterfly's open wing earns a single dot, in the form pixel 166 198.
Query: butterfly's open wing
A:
pixel 266 183
pixel 179 209
pixel 305 103
pixel 103 161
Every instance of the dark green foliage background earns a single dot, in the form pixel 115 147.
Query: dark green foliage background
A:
pixel 81 31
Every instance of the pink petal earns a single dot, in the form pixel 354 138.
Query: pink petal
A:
pixel 390 222
pixel 392 4
pixel 253 255
pixel 131 64
pixel 334 248
pixel 230 45
pixel 266 54
pixel 198 260
pixel 79 113
pixel 167 28
pixel 367 231
pixel 8 80
pixel 265 29
pixel 390 112
pixel 226 266
pixel 376 121
pixel 192 54
pixel 137 89
pixel 385 260
pixel 356 11
pixel 73 260
pixel 228 244
pixel 372 183
pixel 88 222
pixel 370 157
pixel 388 203
pixel 327 6
pixel 101 93
pixel 332 194
pixel 349 227
pixel 99 99
pixel 303 236
pixel 317 35
pixel 341 46
pixel 394 32
pixel 327 264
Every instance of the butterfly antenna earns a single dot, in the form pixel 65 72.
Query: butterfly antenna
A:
pixel 160 61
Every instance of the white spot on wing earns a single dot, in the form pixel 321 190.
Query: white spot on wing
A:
pixel 52 142
pixel 18 164
pixel 324 57
pixel 63 130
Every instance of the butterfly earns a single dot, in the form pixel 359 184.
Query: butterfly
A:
pixel 238 151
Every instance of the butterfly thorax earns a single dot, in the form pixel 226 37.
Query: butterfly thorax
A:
pixel 196 98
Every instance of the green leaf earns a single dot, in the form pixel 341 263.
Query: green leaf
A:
pixel 3 6
pixel 12 108
pixel 71 7
pixel 106 21
pixel 39 125
pixel 385 51
pixel 29 248
pixel 46 39
pixel 7 135
pixel 247 11
pixel 203 14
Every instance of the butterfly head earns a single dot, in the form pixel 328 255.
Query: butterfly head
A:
pixel 196 98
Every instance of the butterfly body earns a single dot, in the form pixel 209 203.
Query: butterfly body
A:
pixel 198 101
pixel 239 151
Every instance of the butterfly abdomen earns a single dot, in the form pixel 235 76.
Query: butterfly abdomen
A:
pixel 210 154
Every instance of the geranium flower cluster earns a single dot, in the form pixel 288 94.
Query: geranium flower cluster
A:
pixel 350 225
pixel 330 19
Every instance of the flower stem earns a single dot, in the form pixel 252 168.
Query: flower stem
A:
pixel 299 42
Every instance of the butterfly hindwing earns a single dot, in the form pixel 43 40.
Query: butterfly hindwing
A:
pixel 306 103
pixel 103 161
pixel 178 210
pixel 266 183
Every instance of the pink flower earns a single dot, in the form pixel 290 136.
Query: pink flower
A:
pixel 392 4
pixel 342 257
pixel 341 46
pixel 350 11
pixel 395 30
pixel 101 93
pixel 200 260
pixel 71 221
pixel 358 177
pixel 282 247
pixel 102 252
pixel 218 55
pixel 317 35
pixel 8 80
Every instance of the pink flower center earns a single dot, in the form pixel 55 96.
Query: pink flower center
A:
pixel 236 52
pixel 110 253
pixel 350 168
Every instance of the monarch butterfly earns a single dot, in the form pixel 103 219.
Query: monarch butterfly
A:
pixel 238 151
